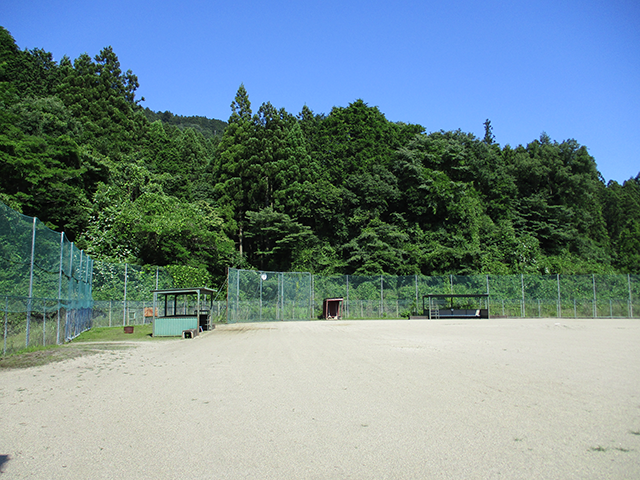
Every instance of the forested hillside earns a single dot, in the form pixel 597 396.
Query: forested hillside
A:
pixel 207 126
pixel 346 192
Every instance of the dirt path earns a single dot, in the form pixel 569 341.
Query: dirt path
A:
pixel 516 399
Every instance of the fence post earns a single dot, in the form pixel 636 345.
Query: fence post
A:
pixel 69 295
pixel 416 281
pixel 595 307
pixel 29 300
pixel 630 298
pixel 124 303
pixel 347 292
pixel 154 304
pixel 44 323
pixel 559 298
pixel 6 310
pixel 522 287
pixel 281 296
pixel 238 295
pixel 310 295
pixel 60 286
pixel 381 296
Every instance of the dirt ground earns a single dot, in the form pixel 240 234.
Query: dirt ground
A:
pixel 447 399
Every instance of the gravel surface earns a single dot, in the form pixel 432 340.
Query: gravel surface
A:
pixel 447 399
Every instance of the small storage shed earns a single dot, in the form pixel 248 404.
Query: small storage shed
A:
pixel 332 308
pixel 181 309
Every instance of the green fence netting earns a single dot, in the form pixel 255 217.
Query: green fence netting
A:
pixel 51 291
pixel 255 296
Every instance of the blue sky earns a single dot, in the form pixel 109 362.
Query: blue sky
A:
pixel 569 68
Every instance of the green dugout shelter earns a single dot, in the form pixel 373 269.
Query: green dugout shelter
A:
pixel 180 309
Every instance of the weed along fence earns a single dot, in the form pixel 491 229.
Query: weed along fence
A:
pixel 255 296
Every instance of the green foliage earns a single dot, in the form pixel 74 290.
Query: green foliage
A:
pixel 209 128
pixel 348 192
pixel 185 276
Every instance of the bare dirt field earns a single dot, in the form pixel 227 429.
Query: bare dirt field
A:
pixel 447 399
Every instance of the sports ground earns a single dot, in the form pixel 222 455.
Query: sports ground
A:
pixel 419 399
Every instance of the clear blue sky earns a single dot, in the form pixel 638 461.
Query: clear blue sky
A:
pixel 569 68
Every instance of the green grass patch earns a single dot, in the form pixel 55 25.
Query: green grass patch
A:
pixel 38 356
pixel 116 334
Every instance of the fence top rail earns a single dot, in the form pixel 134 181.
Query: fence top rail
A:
pixel 454 295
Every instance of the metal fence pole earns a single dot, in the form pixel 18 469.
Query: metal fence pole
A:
pixel 89 295
pixel 154 305
pixel 281 296
pixel 347 306
pixel 416 281
pixel 630 298
pixel 69 296
pixel 261 274
pixel 522 311
pixel 595 307
pixel 6 319
pixel 310 295
pixel 381 296
pixel 238 296
pixel 559 298
pixel 29 300
pixel 124 302
pixel 60 286
pixel 44 323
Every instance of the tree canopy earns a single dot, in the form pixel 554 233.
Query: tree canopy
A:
pixel 346 192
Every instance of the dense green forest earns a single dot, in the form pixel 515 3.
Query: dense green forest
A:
pixel 345 192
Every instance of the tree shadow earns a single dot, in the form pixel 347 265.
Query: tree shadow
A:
pixel 3 459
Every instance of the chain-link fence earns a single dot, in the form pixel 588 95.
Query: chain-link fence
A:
pixel 263 296
pixel 51 291
pixel 255 296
